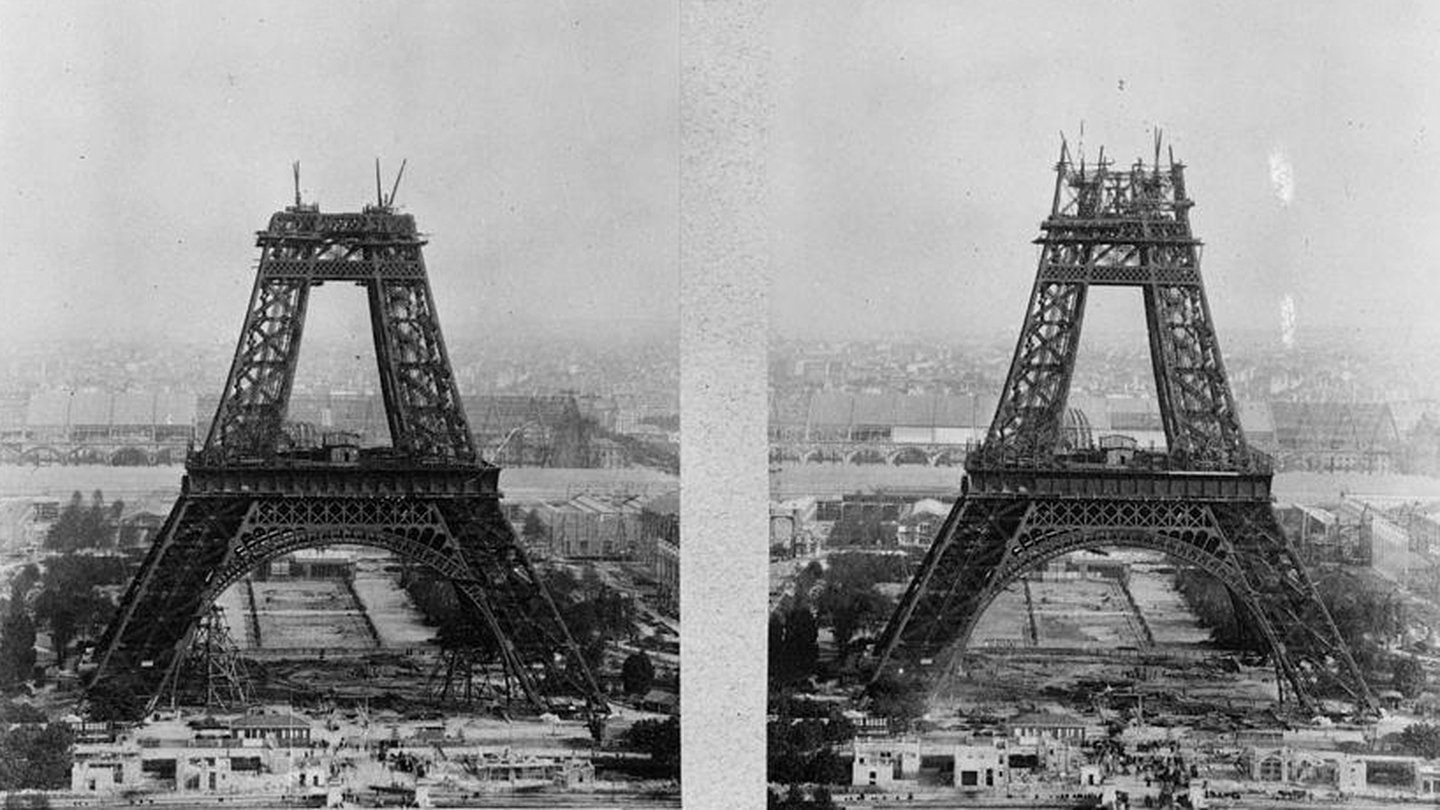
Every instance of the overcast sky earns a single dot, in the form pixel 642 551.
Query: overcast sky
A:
pixel 141 145
pixel 913 147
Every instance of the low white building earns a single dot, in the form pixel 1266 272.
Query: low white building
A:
pixel 105 768
pixel 882 763
pixel 981 766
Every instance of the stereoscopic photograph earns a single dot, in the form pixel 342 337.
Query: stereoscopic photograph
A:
pixel 271 536
pixel 1035 538
pixel 1103 434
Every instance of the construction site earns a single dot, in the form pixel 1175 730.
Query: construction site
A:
pixel 1109 617
pixel 318 678
pixel 1106 633
pixel 337 627
pixel 1104 650
pixel 324 619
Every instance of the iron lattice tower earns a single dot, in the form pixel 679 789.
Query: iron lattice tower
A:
pixel 252 493
pixel 212 673
pixel 1031 494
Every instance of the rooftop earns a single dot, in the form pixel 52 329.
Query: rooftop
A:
pixel 270 720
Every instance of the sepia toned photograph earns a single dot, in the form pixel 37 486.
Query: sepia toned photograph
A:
pixel 1035 539
pixel 269 535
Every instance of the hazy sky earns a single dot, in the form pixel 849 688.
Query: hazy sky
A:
pixel 141 145
pixel 913 146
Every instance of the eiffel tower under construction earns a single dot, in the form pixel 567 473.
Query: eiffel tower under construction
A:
pixel 1029 495
pixel 250 494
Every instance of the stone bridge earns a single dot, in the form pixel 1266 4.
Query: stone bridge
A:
pixel 115 452
pixel 867 452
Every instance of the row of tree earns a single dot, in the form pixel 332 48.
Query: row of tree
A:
pixel 596 614
pixel 802 750
pixel 70 596
pixel 1212 604
pixel 794 642
pixel 1370 620
pixel 1420 740
pixel 862 528
pixel 660 739
pixel 795 797
pixel 35 757
pixel 844 596
pixel 83 527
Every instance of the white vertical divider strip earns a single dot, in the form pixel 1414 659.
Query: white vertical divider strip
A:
pixel 724 287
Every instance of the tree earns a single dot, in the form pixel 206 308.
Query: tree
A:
pixel 34 758
pixel 858 570
pixel 1408 677
pixel 808 577
pixel 27 578
pixel 897 699
pixel 861 527
pixel 802 750
pixel 1364 616
pixel 850 610
pixel 80 527
pixel 637 673
pixel 1216 609
pixel 70 601
pixel 795 647
pixel 16 712
pixel 71 615
pixel 1421 740
pixel 795 799
pixel 78 572
pixel 17 647
pixel 64 533
pixel 96 526
pixel 122 698
pixel 534 531
pixel 602 615
pixel 658 738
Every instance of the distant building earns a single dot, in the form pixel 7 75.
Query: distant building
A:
pixel 280 728
pixel 96 427
pixel 512 430
pixel 531 431
pixel 662 701
pixel 1386 545
pixel 1335 437
pixel 659 547
pixel 830 426
pixel 791 526
pixel 896 429
pixel 139 529
pixel 1031 728
pixel 1376 776
pixel 309 564
pixel 919 522
pixel 593 526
